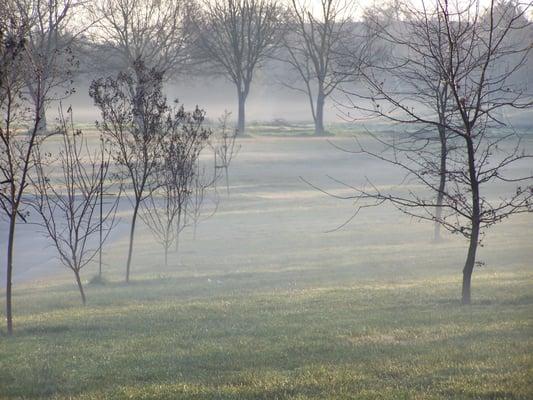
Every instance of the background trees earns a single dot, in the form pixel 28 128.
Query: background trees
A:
pixel 450 74
pixel 466 46
pixel 236 36
pixel 317 39
pixel 158 32
pixel 51 38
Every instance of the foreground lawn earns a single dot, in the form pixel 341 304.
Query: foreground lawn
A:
pixel 262 304
pixel 198 338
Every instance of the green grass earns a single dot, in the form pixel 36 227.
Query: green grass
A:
pixel 278 309
pixel 190 338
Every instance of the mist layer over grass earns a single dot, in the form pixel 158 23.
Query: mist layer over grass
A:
pixel 263 304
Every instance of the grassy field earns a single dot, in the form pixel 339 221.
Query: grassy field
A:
pixel 263 304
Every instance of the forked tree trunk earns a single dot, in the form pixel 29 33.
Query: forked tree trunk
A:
pixel 319 114
pixel 9 273
pixel 475 220
pixel 80 286
pixel 442 182
pixel 132 236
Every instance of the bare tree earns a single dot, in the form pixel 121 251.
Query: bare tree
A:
pixel 18 128
pixel 159 32
pixel 410 70
pixel 185 139
pixel 316 41
pixel 69 204
pixel 225 148
pixel 204 184
pixel 236 36
pixel 51 38
pixel 468 50
pixel 134 114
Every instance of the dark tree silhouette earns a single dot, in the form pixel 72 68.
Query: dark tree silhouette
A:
pixel 134 113
pixel 18 129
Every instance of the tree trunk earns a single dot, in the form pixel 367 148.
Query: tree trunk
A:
pixel 475 220
pixel 227 179
pixel 442 182
pixel 132 235
pixel 42 126
pixel 241 115
pixel 166 255
pixel 80 287
pixel 469 267
pixel 9 273
pixel 319 119
pixel 178 230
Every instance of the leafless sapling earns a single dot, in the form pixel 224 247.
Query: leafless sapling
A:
pixel 412 72
pixel 185 138
pixel 68 188
pixel 225 147
pixel 477 62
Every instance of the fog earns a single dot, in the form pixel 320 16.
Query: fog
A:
pixel 357 227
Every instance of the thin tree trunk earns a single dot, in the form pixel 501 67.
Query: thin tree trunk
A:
pixel 132 235
pixel 42 126
pixel 166 255
pixel 100 228
pixel 469 266
pixel 241 115
pixel 9 273
pixel 227 179
pixel 319 119
pixel 474 234
pixel 80 287
pixel 178 229
pixel 442 182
